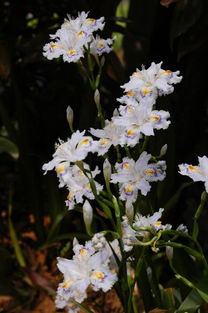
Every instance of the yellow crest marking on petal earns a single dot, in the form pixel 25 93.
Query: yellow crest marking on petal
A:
pixel 98 275
pixel 91 20
pixel 70 196
pixel 193 168
pixel 60 169
pixel 137 74
pixel 128 189
pixel 67 283
pixel 130 108
pixel 146 91
pixel 155 117
pixel 130 93
pixel 150 171
pixel 104 142
pixel 125 165
pixel 53 45
pixel 83 251
pixel 100 45
pixel 72 52
pixel 84 142
pixel 80 34
pixel 88 187
pixel 158 223
pixel 131 131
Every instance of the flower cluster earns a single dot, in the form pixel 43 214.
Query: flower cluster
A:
pixel 90 266
pixel 75 37
pixel 71 175
pixel 136 116
pixel 98 263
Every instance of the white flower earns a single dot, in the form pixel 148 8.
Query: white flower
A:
pixel 87 267
pixel 152 82
pixel 78 185
pixel 73 37
pixel 182 228
pixel 99 45
pixel 140 119
pixel 74 149
pixel 134 176
pixel 128 235
pixel 152 224
pixel 197 173
pixel 109 135
pixel 150 221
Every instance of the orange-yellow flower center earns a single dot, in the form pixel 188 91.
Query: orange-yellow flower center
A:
pixel 99 275
pixel 103 142
pixel 150 171
pixel 145 91
pixel 67 283
pixel 130 93
pixel 84 142
pixel 193 168
pixel 72 52
pixel 91 20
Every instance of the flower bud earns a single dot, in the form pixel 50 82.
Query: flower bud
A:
pixel 129 211
pixel 70 117
pixel 169 252
pixel 107 170
pixel 97 97
pixel 163 150
pixel 87 215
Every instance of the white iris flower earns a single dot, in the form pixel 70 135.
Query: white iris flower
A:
pixel 152 82
pixel 87 268
pixel 78 185
pixel 133 176
pixel 74 149
pixel 73 38
pixel 197 173
pixel 110 135
pixel 139 120
pixel 98 46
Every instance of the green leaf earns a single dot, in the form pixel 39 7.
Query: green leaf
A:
pixel 191 303
pixel 8 146
pixel 83 307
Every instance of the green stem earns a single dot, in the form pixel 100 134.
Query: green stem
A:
pixel 197 215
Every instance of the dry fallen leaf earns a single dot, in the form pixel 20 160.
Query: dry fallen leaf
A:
pixel 166 3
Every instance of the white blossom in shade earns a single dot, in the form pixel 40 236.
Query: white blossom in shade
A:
pixel 152 82
pixel 182 228
pixel 140 120
pixel 150 221
pixel 109 135
pixel 133 176
pixel 98 46
pixel 74 149
pixel 198 172
pixel 73 37
pixel 112 248
pixel 128 235
pixel 79 186
pixel 87 268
